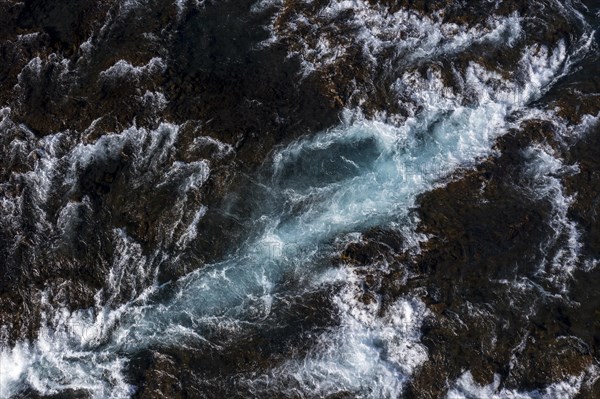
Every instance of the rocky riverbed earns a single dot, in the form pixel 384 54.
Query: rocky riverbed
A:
pixel 299 199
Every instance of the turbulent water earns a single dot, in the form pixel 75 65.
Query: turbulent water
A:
pixel 299 199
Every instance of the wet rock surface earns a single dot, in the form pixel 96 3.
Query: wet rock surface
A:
pixel 238 95
pixel 181 105
pixel 494 312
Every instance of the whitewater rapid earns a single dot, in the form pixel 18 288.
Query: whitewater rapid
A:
pixel 317 195
pixel 363 173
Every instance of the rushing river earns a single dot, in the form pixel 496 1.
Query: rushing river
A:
pixel 310 197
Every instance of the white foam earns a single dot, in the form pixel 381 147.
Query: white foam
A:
pixel 368 354
pixel 13 366
pixel 58 359
pixel 27 37
pixel 222 149
pixel 360 174
pixel 263 5
pixel 465 387
pixel 191 231
pixel 155 100
pixel 411 36
pixel 123 69
pixel 544 171
pixel 34 66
